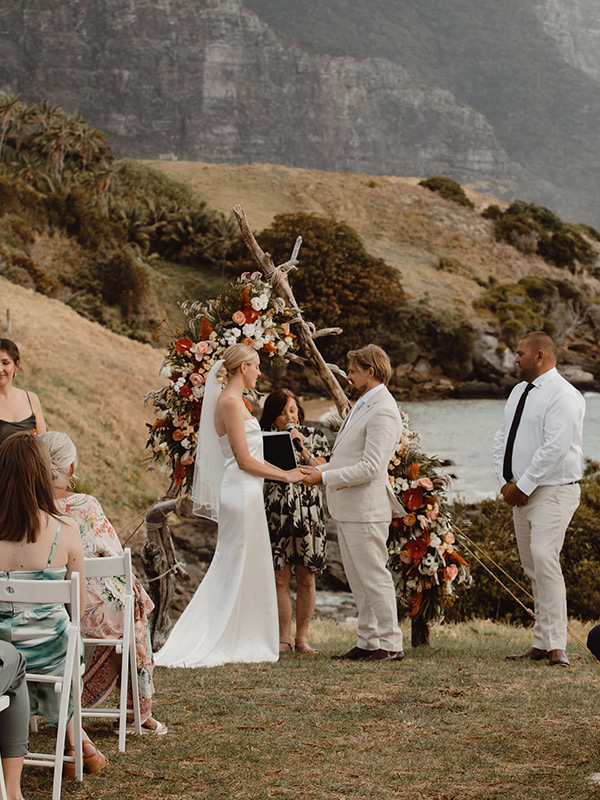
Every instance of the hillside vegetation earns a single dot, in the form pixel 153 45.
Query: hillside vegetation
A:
pixel 405 224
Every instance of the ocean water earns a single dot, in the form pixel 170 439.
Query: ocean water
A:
pixel 462 431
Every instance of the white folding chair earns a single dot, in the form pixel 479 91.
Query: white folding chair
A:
pixel 27 593
pixel 110 567
pixel 4 704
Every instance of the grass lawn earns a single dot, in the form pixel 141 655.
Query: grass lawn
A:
pixel 451 722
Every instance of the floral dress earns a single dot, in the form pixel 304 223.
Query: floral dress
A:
pixel 103 617
pixel 296 514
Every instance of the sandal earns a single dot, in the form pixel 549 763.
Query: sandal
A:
pixel 159 728
pixel 302 646
pixel 285 647
pixel 92 763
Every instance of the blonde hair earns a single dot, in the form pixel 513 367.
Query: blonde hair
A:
pixel 374 357
pixel 62 451
pixel 235 356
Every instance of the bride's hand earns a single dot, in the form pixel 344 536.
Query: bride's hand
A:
pixel 293 475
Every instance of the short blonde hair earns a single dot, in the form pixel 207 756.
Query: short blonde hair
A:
pixel 374 357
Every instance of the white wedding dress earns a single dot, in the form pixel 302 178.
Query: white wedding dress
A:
pixel 233 615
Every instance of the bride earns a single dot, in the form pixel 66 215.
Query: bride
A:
pixel 233 615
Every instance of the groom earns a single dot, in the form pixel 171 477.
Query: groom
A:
pixel 360 499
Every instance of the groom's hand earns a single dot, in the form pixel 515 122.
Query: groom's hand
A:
pixel 311 476
pixel 513 495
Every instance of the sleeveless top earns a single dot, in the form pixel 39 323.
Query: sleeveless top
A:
pixel 37 631
pixel 27 424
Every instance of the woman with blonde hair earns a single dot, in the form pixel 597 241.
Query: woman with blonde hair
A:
pixel 233 615
pixel 104 597
pixel 38 544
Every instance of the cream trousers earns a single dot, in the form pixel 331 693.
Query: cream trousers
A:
pixel 364 553
pixel 540 528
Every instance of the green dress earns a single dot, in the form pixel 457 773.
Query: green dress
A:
pixel 39 632
pixel 296 514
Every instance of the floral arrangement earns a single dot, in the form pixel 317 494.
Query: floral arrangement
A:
pixel 247 312
pixel 422 546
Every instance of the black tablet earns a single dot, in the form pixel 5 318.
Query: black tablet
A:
pixel 279 450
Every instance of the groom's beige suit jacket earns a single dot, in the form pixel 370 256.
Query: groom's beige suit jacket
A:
pixel 357 483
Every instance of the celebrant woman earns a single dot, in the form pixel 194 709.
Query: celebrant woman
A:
pixel 296 520
pixel 19 410
pixel 233 615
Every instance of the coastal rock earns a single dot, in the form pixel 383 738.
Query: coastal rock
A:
pixel 576 375
pixel 491 360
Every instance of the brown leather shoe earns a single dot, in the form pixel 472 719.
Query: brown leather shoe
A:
pixel 385 655
pixel 356 654
pixel 558 658
pixel 533 654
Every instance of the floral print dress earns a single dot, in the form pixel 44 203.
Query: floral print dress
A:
pixel 103 617
pixel 296 514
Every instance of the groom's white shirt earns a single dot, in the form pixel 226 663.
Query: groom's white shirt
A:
pixel 356 478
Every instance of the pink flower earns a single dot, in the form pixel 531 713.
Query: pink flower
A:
pixel 239 317
pixel 451 572
pixel 196 379
pixel 425 483
pixel 187 459
pixel 448 538
pixel 203 347
pixel 248 341
pixel 178 421
pixel 432 511
pixel 285 327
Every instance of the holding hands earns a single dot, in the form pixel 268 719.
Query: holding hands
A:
pixel 311 476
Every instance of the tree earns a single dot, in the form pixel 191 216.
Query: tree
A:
pixel 338 283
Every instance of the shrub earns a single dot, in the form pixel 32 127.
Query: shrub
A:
pixel 448 189
pixel 338 283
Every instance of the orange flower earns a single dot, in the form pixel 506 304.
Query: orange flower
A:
pixel 425 483
pixel 417 548
pixel 205 328
pixel 187 460
pixel 269 347
pixel 416 601
pixel 409 520
pixel 413 471
pixel 159 423
pixel 245 299
pixel 247 403
pixel 251 315
pixel 413 498
pixel 179 473
pixel 248 341
pixel 178 435
pixel 183 345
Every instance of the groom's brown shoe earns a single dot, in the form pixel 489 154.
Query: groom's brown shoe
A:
pixel 385 655
pixel 356 654
pixel 558 658
pixel 533 654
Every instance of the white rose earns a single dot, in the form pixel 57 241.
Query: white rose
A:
pixel 258 343
pixel 281 346
pixel 185 443
pixel 289 341
pixel 198 392
pixel 249 329
pixel 166 370
pixel 268 323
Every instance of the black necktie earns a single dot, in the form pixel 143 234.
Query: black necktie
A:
pixel 512 434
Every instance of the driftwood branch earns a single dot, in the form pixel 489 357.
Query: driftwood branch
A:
pixel 327 332
pixel 162 568
pixel 279 280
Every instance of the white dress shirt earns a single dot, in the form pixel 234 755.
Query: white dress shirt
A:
pixel 548 449
pixel 360 402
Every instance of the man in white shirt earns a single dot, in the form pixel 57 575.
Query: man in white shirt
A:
pixel 538 456
pixel 360 499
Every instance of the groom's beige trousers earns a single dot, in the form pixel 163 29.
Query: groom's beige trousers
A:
pixel 364 554
pixel 540 528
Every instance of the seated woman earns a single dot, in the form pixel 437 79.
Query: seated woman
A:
pixel 37 544
pixel 19 410
pixel 296 519
pixel 103 615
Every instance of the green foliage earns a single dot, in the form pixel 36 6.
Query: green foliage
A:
pixel 338 283
pixel 528 305
pixel 535 229
pixel 491 528
pixel 448 189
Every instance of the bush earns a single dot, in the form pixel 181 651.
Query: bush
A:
pixel 448 189
pixel 491 528
pixel 536 229
pixel 337 283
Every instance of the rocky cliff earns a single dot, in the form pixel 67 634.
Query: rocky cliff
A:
pixel 213 80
